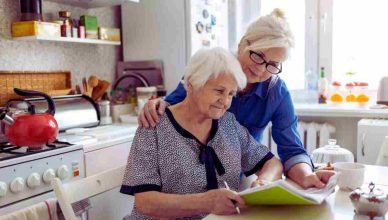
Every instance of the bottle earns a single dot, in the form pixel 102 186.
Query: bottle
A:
pixel 311 82
pixel 323 87
pixel 119 95
pixel 66 27
pixel 161 91
pixel 132 94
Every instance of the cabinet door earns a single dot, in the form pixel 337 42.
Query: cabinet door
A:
pixel 106 158
pixel 370 139
pixel 111 204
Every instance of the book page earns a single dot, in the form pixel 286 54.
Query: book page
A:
pixel 314 195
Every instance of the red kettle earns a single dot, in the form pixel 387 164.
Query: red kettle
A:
pixel 32 129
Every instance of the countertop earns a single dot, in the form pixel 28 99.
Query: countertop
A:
pixel 337 206
pixel 342 110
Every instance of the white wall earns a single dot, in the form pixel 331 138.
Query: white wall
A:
pixel 156 30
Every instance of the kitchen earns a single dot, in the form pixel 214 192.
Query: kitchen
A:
pixel 136 19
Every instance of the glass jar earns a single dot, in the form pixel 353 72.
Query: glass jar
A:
pixel 144 94
pixel 31 10
pixel 66 27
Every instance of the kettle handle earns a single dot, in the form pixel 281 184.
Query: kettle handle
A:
pixel 29 93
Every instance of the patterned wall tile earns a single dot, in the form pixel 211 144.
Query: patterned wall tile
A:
pixel 81 59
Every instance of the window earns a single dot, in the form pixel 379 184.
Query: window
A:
pixel 294 66
pixel 360 40
pixel 328 34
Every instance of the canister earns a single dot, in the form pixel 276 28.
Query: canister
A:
pixel 105 117
pixel 144 94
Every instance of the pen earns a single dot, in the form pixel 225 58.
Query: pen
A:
pixel 234 202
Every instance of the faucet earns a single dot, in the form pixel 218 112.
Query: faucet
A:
pixel 135 75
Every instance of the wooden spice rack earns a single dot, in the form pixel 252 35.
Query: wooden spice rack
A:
pixel 39 81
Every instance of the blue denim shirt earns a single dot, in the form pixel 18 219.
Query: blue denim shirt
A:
pixel 256 109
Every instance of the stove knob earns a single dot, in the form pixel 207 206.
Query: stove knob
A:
pixel 17 185
pixel 63 172
pixel 33 180
pixel 3 189
pixel 48 175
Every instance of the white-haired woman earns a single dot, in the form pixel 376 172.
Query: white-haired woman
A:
pixel 178 168
pixel 266 98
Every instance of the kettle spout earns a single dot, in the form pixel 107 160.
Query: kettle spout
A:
pixel 6 118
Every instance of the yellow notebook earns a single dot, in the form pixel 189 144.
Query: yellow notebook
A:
pixel 286 192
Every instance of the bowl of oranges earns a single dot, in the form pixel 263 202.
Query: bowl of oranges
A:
pixel 362 99
pixel 351 94
pixel 336 98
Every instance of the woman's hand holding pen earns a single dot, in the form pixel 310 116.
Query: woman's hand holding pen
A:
pixel 220 201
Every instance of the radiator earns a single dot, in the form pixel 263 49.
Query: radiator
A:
pixel 312 135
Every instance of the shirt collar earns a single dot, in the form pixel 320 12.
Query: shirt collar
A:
pixel 186 133
pixel 260 89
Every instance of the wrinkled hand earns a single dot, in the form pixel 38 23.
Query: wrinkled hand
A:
pixel 259 182
pixel 317 179
pixel 149 114
pixel 220 201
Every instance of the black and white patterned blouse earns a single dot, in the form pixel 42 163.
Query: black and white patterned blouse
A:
pixel 170 159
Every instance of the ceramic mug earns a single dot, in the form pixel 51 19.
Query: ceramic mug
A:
pixel 351 175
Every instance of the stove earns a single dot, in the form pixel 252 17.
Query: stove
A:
pixel 25 173
pixel 9 151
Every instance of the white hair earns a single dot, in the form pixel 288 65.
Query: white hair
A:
pixel 208 63
pixel 269 31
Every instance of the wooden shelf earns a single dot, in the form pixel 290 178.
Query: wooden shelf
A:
pixel 93 3
pixel 68 39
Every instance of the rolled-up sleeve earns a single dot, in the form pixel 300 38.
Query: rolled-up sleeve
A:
pixel 286 136
pixel 253 154
pixel 142 172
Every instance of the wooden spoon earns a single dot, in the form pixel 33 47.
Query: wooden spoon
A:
pixel 92 83
pixel 103 85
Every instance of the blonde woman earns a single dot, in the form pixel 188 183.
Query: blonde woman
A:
pixel 265 99
pixel 178 168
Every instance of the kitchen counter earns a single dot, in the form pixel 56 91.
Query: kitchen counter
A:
pixel 344 110
pixel 337 206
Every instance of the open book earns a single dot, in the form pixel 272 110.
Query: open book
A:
pixel 286 192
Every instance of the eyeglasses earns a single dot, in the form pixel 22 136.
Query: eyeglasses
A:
pixel 271 66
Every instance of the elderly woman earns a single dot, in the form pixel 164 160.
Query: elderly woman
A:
pixel 265 99
pixel 178 168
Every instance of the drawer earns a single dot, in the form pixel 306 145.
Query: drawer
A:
pixel 106 158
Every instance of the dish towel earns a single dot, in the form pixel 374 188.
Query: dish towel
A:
pixel 47 210
pixel 42 211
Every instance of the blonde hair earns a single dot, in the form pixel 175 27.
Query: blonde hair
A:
pixel 269 31
pixel 208 63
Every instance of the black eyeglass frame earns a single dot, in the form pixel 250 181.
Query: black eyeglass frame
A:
pixel 267 63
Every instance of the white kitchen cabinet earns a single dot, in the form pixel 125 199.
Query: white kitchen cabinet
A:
pixel 92 3
pixel 111 204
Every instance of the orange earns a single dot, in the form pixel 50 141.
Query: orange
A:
pixel 362 98
pixel 336 97
pixel 351 97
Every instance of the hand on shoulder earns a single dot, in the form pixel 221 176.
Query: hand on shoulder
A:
pixel 149 115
